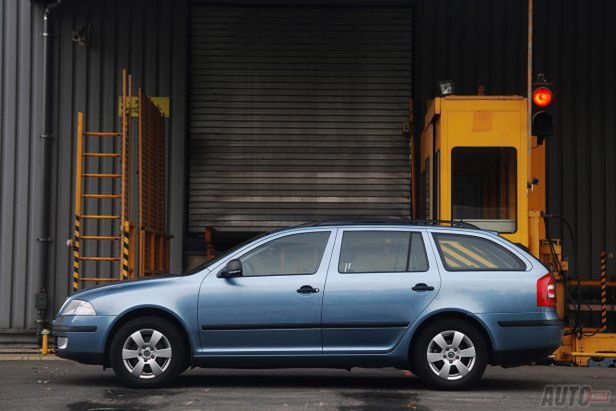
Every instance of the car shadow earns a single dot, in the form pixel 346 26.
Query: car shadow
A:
pixel 396 380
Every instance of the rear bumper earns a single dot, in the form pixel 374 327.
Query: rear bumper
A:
pixel 512 358
pixel 523 338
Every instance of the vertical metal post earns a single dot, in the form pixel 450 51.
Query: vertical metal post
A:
pixel 125 250
pixel 78 193
pixel 141 224
pixel 529 80
pixel 124 221
pixel 143 249
pixel 44 238
pixel 603 266
pixel 534 217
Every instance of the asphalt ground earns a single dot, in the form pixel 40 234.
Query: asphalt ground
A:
pixel 64 385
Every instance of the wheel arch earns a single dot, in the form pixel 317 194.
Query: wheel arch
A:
pixel 456 315
pixel 145 311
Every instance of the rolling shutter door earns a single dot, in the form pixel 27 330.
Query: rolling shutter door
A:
pixel 296 115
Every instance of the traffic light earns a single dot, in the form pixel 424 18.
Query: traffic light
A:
pixel 542 109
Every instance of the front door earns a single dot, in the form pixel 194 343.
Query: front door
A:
pixel 274 308
pixel 379 281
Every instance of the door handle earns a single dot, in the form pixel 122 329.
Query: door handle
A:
pixel 422 287
pixel 307 289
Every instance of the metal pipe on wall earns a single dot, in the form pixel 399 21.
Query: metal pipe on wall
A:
pixel 44 238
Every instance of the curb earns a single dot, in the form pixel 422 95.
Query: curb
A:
pixel 29 357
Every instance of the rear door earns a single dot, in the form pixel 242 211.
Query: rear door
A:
pixel 378 283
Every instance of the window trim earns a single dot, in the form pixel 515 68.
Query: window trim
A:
pixel 381 230
pixel 239 257
pixel 523 268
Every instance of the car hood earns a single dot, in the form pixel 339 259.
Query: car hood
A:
pixel 94 292
pixel 170 292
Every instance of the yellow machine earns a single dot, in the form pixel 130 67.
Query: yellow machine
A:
pixel 477 164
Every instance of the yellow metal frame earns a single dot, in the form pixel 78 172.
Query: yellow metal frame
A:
pixel 477 121
pixel 145 244
pixel 154 241
pixel 125 229
pixel 502 121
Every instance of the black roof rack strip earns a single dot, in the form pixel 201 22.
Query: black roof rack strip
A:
pixel 401 221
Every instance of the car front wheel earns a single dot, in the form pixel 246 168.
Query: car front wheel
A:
pixel 147 352
pixel 450 354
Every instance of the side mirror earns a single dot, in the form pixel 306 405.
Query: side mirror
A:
pixel 232 269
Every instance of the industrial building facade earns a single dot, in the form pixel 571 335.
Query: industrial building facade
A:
pixel 280 114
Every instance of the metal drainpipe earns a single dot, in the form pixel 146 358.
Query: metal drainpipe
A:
pixel 44 240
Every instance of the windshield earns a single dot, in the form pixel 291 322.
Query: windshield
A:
pixel 223 255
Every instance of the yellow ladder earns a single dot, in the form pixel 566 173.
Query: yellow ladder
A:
pixel 124 226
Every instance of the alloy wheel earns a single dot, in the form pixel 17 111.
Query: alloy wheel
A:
pixel 146 353
pixel 451 355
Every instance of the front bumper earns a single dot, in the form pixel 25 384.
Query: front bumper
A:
pixel 86 334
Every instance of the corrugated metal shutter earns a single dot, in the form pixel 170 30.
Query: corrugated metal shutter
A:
pixel 296 115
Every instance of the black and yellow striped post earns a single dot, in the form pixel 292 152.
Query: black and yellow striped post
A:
pixel 76 254
pixel 125 250
pixel 127 99
pixel 78 187
pixel 603 266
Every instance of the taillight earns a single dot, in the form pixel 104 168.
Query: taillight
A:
pixel 546 291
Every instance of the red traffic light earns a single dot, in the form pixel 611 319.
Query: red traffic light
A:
pixel 542 96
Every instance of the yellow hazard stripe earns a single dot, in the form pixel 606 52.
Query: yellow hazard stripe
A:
pixel 473 255
pixel 456 255
pixel 125 255
pixel 76 253
pixel 603 265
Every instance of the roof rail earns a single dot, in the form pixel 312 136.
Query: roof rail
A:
pixel 392 221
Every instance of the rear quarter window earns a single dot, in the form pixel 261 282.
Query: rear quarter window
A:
pixel 461 252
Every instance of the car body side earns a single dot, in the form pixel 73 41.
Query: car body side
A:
pixel 502 304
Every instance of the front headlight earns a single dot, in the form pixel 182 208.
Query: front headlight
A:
pixel 78 307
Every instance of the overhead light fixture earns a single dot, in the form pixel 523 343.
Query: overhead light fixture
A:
pixel 446 87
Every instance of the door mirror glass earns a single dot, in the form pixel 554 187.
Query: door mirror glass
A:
pixel 231 270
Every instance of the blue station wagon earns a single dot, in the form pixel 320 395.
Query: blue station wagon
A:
pixel 441 301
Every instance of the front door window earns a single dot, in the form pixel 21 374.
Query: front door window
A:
pixel 296 254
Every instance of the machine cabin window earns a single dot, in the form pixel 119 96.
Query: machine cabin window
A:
pixel 483 187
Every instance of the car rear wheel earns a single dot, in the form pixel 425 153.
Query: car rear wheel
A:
pixel 147 352
pixel 450 354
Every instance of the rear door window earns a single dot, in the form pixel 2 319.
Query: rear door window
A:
pixel 461 252
pixel 382 252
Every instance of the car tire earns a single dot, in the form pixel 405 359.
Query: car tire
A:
pixel 147 352
pixel 450 355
